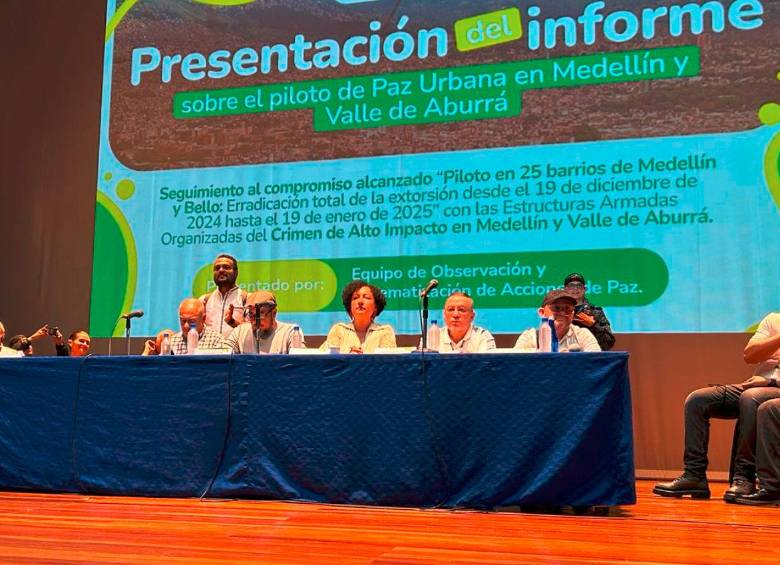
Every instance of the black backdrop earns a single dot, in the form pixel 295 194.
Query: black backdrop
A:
pixel 52 56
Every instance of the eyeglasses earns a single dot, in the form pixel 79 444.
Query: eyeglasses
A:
pixel 564 309
pixel 575 285
pixel 191 322
pixel 250 312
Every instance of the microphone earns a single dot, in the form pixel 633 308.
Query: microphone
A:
pixel 133 314
pixel 431 285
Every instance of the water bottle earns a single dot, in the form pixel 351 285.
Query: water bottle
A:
pixel 296 339
pixel 544 335
pixel 165 346
pixel 554 336
pixel 433 336
pixel 192 340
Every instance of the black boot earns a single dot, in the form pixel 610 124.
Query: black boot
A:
pixel 760 498
pixel 739 487
pixel 696 487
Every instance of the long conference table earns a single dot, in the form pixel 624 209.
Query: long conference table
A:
pixel 475 431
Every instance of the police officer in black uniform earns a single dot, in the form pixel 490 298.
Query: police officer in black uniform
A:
pixel 587 315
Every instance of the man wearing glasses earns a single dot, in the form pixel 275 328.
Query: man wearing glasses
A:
pixel 586 315
pixel 559 304
pixel 459 332
pixel 262 332
pixel 192 313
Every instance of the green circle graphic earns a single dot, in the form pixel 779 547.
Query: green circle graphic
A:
pixel 769 114
pixel 125 189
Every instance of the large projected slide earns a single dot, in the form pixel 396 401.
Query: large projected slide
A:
pixel 493 145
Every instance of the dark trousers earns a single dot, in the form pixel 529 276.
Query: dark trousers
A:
pixel 768 445
pixel 727 402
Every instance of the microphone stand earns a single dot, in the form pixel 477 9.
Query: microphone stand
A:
pixel 424 320
pixel 127 334
pixel 256 331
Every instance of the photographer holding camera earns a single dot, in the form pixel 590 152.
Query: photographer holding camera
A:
pixel 586 315
pixel 24 344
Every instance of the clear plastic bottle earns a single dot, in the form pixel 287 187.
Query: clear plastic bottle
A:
pixel 433 336
pixel 296 338
pixel 192 340
pixel 553 336
pixel 165 345
pixel 544 335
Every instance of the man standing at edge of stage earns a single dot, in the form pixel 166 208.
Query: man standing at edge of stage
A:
pixel 225 304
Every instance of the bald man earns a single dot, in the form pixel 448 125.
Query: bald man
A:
pixel 459 332
pixel 262 332
pixel 192 313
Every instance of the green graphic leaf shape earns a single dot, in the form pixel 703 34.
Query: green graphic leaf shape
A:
pixel 772 168
pixel 115 269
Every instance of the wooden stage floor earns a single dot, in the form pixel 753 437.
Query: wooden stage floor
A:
pixel 39 528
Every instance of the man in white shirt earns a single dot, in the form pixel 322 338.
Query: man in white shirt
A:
pixel 262 332
pixel 459 333
pixel 559 304
pixel 225 304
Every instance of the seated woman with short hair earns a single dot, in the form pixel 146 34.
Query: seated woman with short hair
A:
pixel 363 302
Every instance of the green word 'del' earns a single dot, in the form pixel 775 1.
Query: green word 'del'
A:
pixel 488 29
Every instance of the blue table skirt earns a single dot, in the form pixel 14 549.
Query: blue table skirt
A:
pixel 477 431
